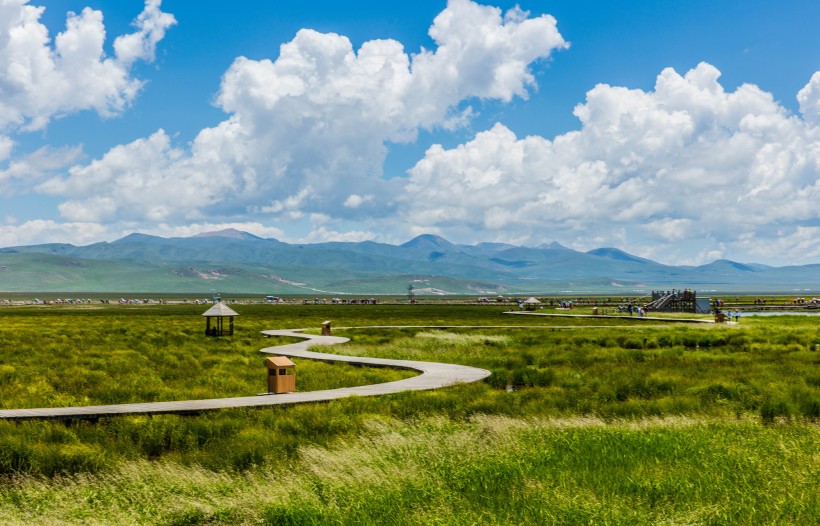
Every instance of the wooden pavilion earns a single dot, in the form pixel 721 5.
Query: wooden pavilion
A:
pixel 218 313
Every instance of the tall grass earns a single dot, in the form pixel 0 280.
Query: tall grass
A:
pixel 578 424
pixel 66 357
pixel 627 372
pixel 485 470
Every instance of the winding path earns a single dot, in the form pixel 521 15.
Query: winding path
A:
pixel 433 376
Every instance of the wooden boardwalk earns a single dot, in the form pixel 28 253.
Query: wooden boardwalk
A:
pixel 604 316
pixel 433 376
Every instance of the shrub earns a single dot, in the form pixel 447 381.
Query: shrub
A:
pixel 776 408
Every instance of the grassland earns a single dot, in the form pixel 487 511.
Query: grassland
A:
pixel 583 421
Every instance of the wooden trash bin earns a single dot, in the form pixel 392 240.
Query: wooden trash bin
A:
pixel 281 375
pixel 720 318
pixel 326 328
pixel 594 311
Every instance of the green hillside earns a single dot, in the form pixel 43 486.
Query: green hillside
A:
pixel 51 273
pixel 231 261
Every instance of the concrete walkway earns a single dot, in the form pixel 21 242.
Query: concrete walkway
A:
pixel 433 376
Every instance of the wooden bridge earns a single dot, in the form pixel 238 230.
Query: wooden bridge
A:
pixel 433 376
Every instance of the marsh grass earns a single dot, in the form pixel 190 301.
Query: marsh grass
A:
pixel 62 357
pixel 486 469
pixel 644 424
pixel 628 372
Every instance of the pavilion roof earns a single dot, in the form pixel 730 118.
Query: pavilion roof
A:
pixel 220 309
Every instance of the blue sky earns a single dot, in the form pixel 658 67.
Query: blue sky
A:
pixel 681 131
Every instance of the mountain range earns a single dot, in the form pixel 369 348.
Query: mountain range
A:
pixel 231 261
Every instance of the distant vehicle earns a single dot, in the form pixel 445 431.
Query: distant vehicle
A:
pixel 273 299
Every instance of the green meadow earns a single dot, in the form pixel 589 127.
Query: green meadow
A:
pixel 583 421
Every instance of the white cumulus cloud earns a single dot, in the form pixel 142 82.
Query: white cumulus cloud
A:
pixel 41 79
pixel 151 25
pixel 23 173
pixel 809 99
pixel 686 163
pixel 134 182
pixel 43 231
pixel 317 119
pixel 356 200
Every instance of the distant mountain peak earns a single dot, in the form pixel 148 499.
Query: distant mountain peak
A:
pixel 494 246
pixel 617 254
pixel 137 237
pixel 429 242
pixel 228 232
pixel 729 264
pixel 554 245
